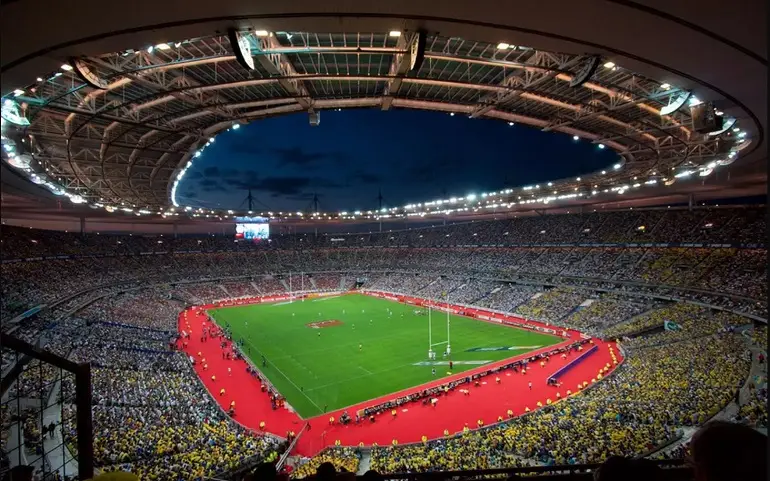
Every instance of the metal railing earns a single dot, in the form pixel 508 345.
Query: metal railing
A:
pixel 671 470
pixel 46 412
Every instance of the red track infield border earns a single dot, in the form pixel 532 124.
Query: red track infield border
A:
pixel 452 413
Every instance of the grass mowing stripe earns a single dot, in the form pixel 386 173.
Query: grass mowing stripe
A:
pixel 289 380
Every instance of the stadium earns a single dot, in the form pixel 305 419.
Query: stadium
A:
pixel 609 324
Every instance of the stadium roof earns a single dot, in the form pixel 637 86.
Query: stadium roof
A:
pixel 164 95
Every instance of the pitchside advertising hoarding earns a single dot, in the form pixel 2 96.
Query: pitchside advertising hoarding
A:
pixel 254 229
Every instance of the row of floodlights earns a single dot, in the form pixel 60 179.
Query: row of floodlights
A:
pixel 394 33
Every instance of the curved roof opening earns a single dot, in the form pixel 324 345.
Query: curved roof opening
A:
pixel 119 129
pixel 354 155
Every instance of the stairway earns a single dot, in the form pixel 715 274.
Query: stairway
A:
pixel 365 463
pixel 256 287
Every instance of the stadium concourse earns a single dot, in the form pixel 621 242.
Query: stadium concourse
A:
pixel 459 408
pixel 114 302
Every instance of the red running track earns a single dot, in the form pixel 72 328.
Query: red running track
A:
pixel 453 411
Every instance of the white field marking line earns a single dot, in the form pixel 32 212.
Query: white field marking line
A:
pixel 365 370
pixel 363 375
pixel 320 299
pixel 454 377
pixel 292 382
pixel 282 303
pixel 338 346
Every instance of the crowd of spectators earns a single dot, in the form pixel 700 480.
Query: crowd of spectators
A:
pixel 273 285
pixel 507 297
pixel 471 291
pixel 705 226
pixel 691 322
pixel 240 289
pixel 329 282
pixel 205 293
pixel 344 459
pixel 552 305
pixel 676 313
pixel 754 411
pixel 399 283
pixel 759 337
pixel 152 416
pixel 641 406
pixel 440 288
pixel 147 308
pixel 605 311
pixel 673 271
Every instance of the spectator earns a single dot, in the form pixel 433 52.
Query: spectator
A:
pixel 723 451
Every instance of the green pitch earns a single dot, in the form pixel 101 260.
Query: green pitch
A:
pixel 367 353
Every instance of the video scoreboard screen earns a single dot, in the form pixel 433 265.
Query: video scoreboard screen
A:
pixel 252 228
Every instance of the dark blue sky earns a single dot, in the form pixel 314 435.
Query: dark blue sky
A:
pixel 413 156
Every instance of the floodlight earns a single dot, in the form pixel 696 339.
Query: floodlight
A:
pixel 87 74
pixel 241 47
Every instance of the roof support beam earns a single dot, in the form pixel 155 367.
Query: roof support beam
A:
pixel 399 66
pixel 278 65
pixel 519 79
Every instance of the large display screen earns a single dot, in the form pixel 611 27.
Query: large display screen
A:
pixel 252 228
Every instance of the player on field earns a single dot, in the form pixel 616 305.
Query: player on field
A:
pixel 360 347
pixel 433 371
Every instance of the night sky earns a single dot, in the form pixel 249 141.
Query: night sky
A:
pixel 413 156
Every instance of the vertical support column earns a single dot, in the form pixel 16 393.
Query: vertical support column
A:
pixel 176 230
pixel 690 201
pixel 82 226
pixel 84 422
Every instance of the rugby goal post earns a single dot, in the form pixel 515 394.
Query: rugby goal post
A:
pixel 431 344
